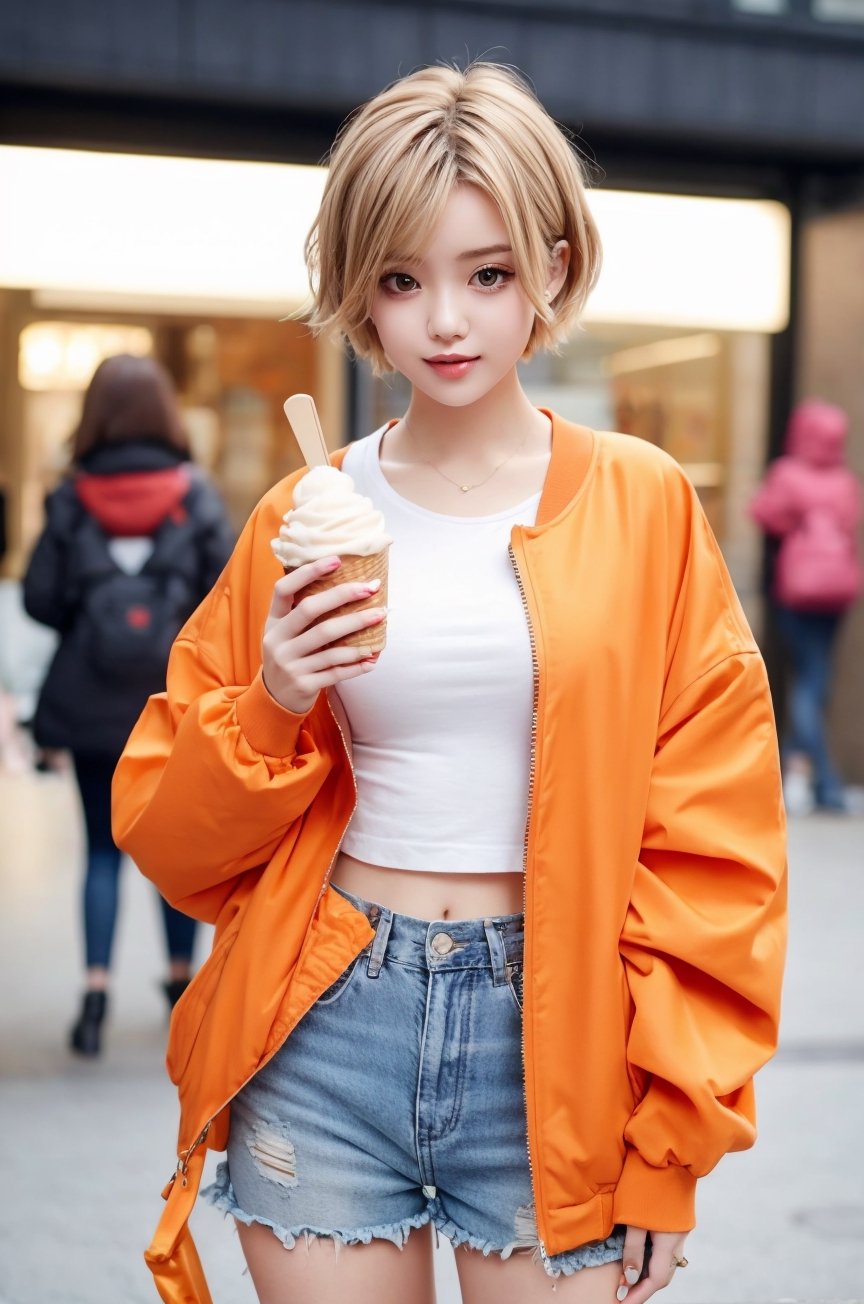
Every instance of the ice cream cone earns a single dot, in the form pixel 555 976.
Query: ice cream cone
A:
pixel 353 569
pixel 330 519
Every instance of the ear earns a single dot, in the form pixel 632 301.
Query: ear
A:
pixel 559 261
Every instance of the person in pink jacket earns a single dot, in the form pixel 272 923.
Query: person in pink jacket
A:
pixel 812 501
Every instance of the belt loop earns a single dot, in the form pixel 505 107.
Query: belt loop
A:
pixel 495 942
pixel 379 946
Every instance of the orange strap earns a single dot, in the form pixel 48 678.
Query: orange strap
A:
pixel 172 1256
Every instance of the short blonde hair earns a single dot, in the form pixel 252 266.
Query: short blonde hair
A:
pixel 392 168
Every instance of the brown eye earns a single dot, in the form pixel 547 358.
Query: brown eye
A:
pixel 491 278
pixel 398 282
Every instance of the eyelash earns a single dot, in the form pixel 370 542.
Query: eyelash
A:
pixel 504 274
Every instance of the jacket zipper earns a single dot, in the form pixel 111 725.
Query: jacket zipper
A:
pixel 186 1155
pixel 532 772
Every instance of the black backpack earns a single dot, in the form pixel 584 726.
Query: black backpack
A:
pixel 125 624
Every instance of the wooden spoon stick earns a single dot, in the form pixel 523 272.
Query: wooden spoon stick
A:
pixel 303 416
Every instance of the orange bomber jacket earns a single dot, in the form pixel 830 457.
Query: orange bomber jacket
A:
pixel 654 852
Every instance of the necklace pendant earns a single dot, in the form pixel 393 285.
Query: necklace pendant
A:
pixel 465 487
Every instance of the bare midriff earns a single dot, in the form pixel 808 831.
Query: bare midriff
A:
pixel 427 894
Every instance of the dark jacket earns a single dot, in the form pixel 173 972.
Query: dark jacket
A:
pixel 128 489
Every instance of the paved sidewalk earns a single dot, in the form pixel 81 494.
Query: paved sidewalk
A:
pixel 85 1147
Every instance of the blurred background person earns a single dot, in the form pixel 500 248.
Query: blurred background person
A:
pixel 135 536
pixel 811 501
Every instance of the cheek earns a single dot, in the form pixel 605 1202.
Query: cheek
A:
pixel 378 317
pixel 512 326
pixel 388 321
pixel 515 311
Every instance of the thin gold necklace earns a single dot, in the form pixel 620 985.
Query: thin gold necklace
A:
pixel 457 484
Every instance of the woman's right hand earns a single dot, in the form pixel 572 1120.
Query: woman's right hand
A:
pixel 297 661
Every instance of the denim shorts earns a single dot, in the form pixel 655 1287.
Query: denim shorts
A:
pixel 398 1100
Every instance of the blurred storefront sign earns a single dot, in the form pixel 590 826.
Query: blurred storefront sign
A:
pixel 152 232
pixel 682 260
pixel 165 233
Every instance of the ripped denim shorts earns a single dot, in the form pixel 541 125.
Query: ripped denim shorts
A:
pixel 398 1100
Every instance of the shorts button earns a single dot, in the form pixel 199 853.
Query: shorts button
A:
pixel 442 943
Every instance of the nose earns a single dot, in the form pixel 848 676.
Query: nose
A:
pixel 446 317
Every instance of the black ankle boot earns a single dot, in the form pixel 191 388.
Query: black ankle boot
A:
pixel 86 1035
pixel 174 989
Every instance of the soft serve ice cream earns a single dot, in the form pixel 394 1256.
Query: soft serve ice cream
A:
pixel 330 519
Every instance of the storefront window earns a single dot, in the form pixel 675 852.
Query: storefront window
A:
pixel 666 387
pixel 62 355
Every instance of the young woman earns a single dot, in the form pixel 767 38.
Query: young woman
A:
pixel 500 913
pixel 131 505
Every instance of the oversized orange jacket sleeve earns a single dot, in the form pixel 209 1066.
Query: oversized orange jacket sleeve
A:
pixel 704 936
pixel 215 771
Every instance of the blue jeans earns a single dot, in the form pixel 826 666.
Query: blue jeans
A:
pixel 398 1101
pixel 94 774
pixel 809 639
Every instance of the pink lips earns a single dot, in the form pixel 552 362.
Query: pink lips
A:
pixel 451 365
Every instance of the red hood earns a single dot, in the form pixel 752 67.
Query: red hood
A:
pixel 817 433
pixel 134 503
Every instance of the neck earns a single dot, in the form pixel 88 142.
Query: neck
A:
pixel 486 430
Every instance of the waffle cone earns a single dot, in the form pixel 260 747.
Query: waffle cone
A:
pixel 373 637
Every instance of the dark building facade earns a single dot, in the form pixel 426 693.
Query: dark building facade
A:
pixel 767 85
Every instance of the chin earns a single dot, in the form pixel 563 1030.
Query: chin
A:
pixel 453 400
pixel 454 393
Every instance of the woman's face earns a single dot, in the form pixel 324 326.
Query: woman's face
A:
pixel 456 322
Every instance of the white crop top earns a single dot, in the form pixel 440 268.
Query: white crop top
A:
pixel 441 728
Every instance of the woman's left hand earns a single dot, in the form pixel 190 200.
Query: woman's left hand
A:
pixel 667 1252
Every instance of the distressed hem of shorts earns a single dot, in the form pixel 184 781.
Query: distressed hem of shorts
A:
pixel 591 1255
pixel 221 1195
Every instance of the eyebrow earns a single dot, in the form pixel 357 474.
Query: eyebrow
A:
pixel 485 253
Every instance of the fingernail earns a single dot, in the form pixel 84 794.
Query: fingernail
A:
pixel 622 1292
pixel 373 586
pixel 332 564
pixel 631 1275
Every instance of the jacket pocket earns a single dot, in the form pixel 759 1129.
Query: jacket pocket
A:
pixel 190 1009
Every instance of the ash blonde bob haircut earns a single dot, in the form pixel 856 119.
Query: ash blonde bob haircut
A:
pixel 392 169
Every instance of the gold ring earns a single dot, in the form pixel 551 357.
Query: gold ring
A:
pixel 678 1263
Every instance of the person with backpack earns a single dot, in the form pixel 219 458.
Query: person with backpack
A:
pixel 811 501
pixel 135 536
